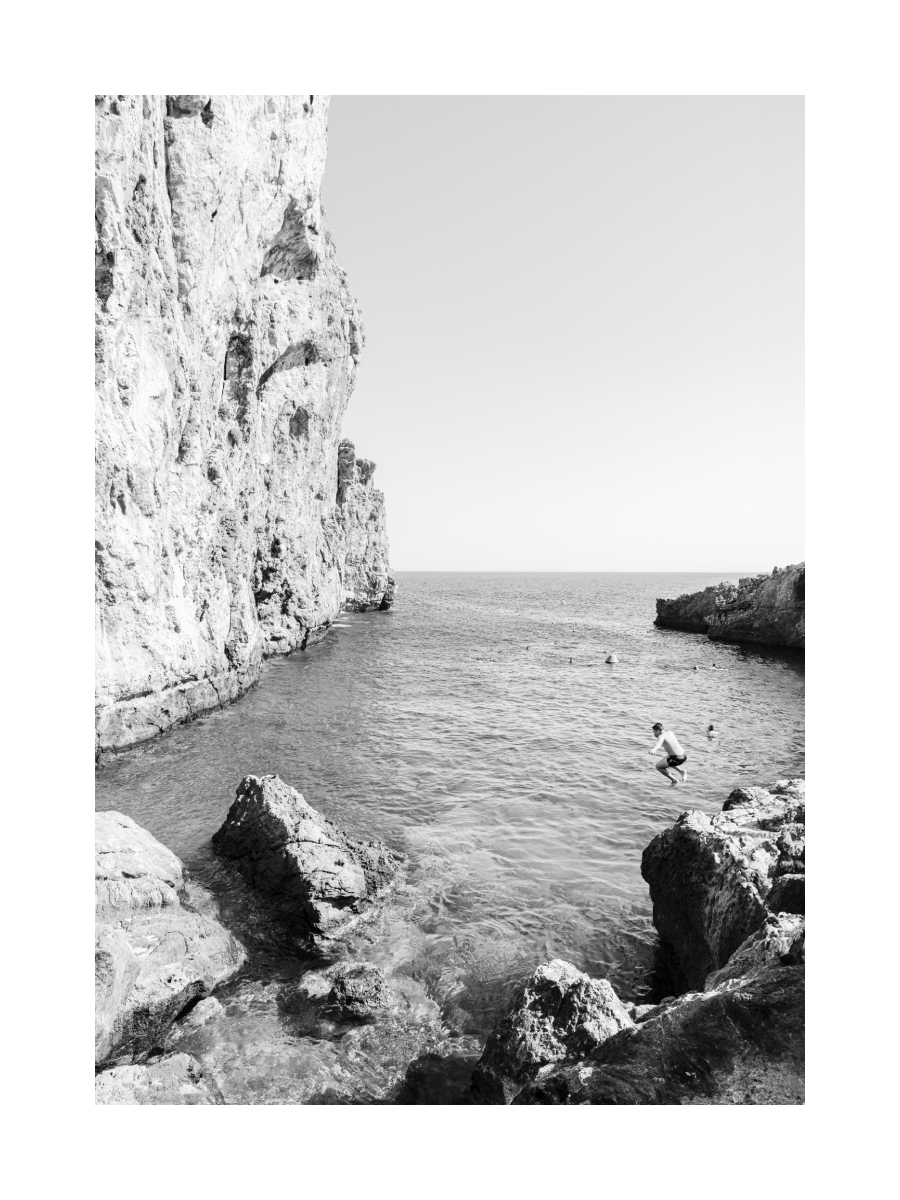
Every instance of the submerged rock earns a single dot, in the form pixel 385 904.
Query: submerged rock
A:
pixel 355 989
pixel 266 1047
pixel 154 953
pixel 560 1013
pixel 195 1018
pixel 312 872
pixel 765 608
pixel 740 1044
pixel 358 988
pixel 178 1079
pixel 710 878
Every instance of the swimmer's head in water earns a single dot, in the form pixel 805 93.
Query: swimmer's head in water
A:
pixel 657 728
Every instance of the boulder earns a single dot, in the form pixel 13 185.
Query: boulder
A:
pixel 154 953
pixel 348 988
pixel 178 1079
pixel 710 877
pixel 739 1044
pixel 313 873
pixel 559 1014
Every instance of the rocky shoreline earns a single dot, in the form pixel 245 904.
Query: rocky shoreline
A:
pixel 728 904
pixel 337 1027
pixel 768 609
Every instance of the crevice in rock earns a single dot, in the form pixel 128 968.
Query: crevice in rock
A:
pixel 299 427
pixel 301 354
pixel 292 254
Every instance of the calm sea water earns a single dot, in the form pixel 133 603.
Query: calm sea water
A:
pixel 477 728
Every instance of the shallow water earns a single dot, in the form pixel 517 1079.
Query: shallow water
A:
pixel 477 728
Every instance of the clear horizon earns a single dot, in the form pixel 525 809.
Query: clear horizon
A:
pixel 561 571
pixel 584 323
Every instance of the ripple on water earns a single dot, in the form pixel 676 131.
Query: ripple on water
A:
pixel 518 783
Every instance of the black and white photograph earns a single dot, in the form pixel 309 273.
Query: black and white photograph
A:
pixel 476 779
pixel 436 713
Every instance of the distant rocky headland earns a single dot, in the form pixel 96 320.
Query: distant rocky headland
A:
pixel 232 520
pixel 764 608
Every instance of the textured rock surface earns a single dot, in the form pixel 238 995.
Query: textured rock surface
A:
pixel 155 953
pixel 179 1079
pixel 310 870
pixel 193 1020
pixel 740 1044
pixel 740 1040
pixel 227 345
pixel 358 988
pixel 366 583
pixel 780 941
pixel 560 1013
pixel 710 877
pixel 765 608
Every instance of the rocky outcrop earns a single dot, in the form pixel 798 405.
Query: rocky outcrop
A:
pixel 737 1037
pixel 740 1044
pixel 311 871
pixel 560 1013
pixel 178 1079
pixel 765 608
pixel 366 583
pixel 711 878
pixel 155 952
pixel 227 346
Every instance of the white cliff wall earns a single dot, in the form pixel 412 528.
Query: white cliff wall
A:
pixel 227 348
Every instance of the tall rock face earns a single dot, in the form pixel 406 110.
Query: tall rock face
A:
pixel 713 879
pixel 360 512
pixel 227 346
pixel 765 608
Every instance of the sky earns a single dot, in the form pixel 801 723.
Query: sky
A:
pixel 584 327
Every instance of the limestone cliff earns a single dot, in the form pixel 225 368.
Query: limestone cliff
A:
pixel 764 608
pixel 231 522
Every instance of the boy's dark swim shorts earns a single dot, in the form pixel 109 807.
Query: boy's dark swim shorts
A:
pixel 675 761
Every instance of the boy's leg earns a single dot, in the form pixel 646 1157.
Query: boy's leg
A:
pixel 663 767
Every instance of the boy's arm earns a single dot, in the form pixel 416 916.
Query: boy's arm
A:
pixel 659 743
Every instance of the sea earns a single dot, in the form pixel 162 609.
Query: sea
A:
pixel 477 728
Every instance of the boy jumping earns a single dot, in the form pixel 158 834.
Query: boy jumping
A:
pixel 675 755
